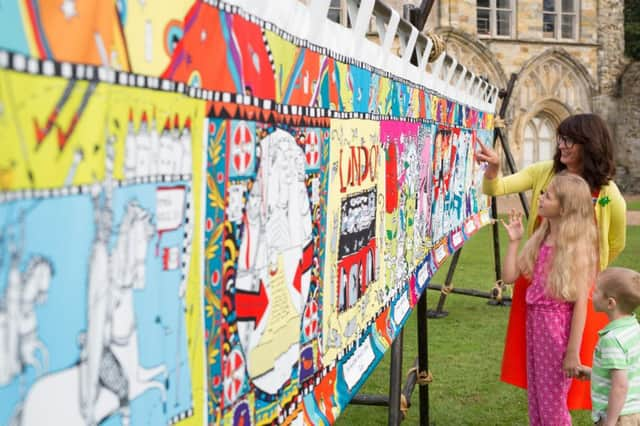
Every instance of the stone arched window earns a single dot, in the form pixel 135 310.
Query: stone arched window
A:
pixel 538 139
pixel 477 57
pixel 550 87
pixel 552 76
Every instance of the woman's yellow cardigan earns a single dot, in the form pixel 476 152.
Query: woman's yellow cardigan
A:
pixel 610 215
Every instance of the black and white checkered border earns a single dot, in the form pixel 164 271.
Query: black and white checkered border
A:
pixel 308 386
pixel 306 389
pixel 28 194
pixel 24 64
pixel 268 48
pixel 71 190
pixel 315 112
pixel 269 26
pixel 188 236
pixel 20 63
pixel 157 179
pixel 286 412
pixel 181 416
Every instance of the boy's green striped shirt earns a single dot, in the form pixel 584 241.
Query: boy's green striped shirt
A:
pixel 618 349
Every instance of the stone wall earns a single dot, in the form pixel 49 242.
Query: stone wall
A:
pixel 512 55
pixel 627 131
pixel 611 60
pixel 608 101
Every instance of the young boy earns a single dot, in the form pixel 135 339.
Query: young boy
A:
pixel 615 376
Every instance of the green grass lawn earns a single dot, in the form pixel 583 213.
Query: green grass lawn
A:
pixel 465 351
pixel 633 205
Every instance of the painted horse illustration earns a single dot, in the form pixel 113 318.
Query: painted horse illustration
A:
pixel 19 341
pixel 108 374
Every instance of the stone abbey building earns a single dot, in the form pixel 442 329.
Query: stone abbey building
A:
pixel 568 56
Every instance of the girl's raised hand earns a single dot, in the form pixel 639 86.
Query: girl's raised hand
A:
pixel 514 228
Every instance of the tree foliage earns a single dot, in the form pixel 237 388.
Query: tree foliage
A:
pixel 632 28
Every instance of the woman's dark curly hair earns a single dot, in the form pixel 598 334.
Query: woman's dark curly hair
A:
pixel 590 131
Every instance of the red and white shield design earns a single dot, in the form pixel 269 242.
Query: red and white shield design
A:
pixel 310 319
pixel 233 373
pixel 242 147
pixel 312 149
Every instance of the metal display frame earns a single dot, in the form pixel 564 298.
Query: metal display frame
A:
pixel 398 399
pixel 495 296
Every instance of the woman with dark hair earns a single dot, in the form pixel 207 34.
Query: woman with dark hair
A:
pixel 584 148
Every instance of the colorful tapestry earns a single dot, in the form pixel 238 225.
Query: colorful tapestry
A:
pixel 205 219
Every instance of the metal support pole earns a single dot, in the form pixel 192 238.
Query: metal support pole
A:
pixel 418 18
pixel 418 15
pixel 496 252
pixel 499 136
pixel 439 313
pixel 412 377
pixel 423 357
pixel 376 400
pixel 395 381
pixel 512 168
pixel 467 292
pixel 393 398
pixel 420 365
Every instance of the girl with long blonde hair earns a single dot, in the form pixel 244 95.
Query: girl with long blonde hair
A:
pixel 561 260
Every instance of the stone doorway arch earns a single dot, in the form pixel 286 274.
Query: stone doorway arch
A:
pixel 474 55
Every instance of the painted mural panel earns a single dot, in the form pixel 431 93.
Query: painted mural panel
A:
pixel 205 219
pixel 263 257
pixel 400 140
pixel 96 254
pixel 354 240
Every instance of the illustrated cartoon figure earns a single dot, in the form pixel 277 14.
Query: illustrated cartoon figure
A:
pixel 408 204
pixel 154 145
pixel 130 148
pixel 165 160
pixel 354 285
pixel 275 258
pixel 342 290
pixel 108 374
pixel 235 203
pixel 422 239
pixel 185 144
pixel 456 183
pixel 176 147
pixel 468 143
pixel 143 148
pixel 19 341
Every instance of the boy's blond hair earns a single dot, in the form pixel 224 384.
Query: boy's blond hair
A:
pixel 623 285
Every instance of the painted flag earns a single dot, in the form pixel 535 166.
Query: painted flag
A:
pixel 170 258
